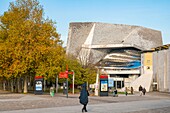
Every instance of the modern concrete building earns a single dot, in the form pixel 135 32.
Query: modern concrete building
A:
pixel 156 66
pixel 114 48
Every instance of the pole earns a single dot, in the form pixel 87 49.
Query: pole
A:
pixel 116 82
pixel 57 84
pixel 97 83
pixel 44 85
pixel 67 79
pixel 73 80
pixel 67 87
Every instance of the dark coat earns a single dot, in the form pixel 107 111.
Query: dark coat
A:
pixel 84 95
pixel 144 90
pixel 140 88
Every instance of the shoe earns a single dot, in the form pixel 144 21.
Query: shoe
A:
pixel 82 110
pixel 85 110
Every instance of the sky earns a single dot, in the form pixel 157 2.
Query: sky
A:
pixel 154 14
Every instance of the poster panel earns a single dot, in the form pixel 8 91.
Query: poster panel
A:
pixel 38 85
pixel 104 85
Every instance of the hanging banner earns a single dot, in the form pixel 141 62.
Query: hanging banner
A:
pixel 111 83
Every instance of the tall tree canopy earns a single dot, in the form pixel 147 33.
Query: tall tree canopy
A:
pixel 29 43
pixel 30 46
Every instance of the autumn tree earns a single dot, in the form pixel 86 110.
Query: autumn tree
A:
pixel 29 43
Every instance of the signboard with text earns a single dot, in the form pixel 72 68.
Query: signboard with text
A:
pixel 38 83
pixel 63 75
pixel 103 85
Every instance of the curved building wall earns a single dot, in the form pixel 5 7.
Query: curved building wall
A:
pixel 123 58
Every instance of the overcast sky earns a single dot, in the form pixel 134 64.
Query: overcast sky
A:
pixel 154 14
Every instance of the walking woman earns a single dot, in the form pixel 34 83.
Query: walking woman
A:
pixel 84 97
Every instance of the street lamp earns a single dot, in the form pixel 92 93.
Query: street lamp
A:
pixel 73 80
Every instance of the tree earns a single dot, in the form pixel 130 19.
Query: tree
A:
pixel 83 73
pixel 29 43
pixel 84 56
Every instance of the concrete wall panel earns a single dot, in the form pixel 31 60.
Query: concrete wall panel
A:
pixel 168 69
pixel 155 66
pixel 161 70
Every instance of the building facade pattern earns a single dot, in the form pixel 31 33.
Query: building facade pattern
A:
pixel 113 48
pixel 116 45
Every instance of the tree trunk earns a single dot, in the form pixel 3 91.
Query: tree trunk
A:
pixel 25 84
pixel 44 85
pixel 4 85
pixel 8 85
pixel 12 85
pixel 19 85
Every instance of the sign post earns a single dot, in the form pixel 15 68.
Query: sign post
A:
pixel 65 75
pixel 73 80
pixel 67 82
pixel 72 73
pixel 57 84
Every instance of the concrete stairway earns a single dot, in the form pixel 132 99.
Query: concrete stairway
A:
pixel 144 80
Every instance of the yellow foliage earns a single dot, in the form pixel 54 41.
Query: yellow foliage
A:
pixel 29 44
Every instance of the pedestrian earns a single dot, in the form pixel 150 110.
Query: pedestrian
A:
pixel 126 91
pixel 144 91
pixel 131 90
pixel 115 93
pixel 140 90
pixel 84 97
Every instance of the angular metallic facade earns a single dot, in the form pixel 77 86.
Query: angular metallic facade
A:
pixel 99 40
pixel 114 49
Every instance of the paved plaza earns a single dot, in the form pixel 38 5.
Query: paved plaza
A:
pixel 153 102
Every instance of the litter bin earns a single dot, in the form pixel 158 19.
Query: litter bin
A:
pixel 52 91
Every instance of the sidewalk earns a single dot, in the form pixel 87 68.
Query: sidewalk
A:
pixel 153 102
pixel 135 106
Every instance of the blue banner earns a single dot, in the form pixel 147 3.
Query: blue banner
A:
pixel 111 82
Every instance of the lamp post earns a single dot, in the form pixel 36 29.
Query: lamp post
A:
pixel 57 84
pixel 67 82
pixel 97 83
pixel 73 80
